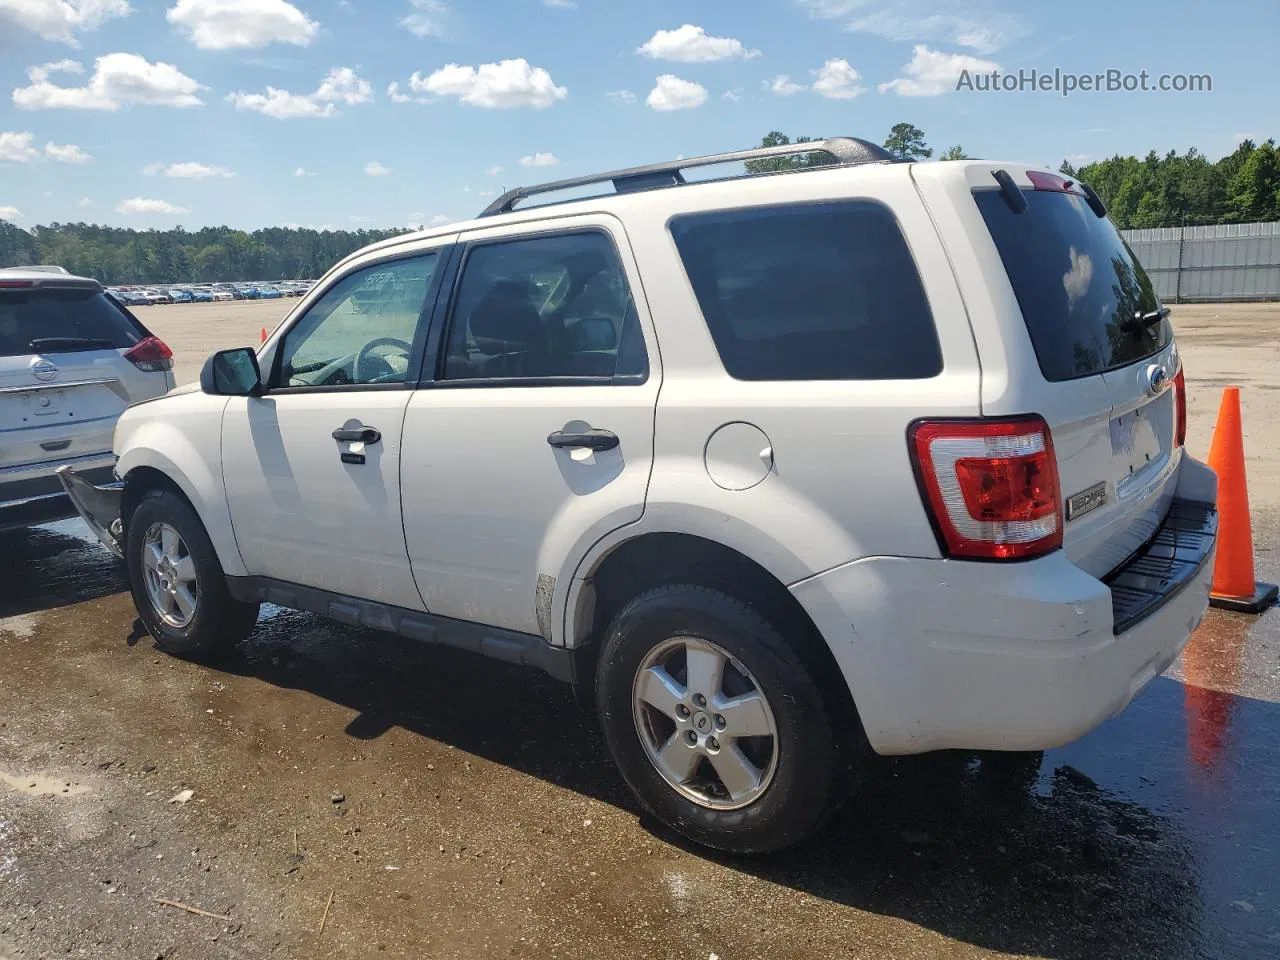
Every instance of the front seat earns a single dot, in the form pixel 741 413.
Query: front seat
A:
pixel 506 328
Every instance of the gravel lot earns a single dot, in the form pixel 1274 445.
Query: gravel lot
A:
pixel 422 803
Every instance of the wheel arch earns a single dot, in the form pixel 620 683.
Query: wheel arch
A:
pixel 650 559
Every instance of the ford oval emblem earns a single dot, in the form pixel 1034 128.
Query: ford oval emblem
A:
pixel 43 369
pixel 1157 379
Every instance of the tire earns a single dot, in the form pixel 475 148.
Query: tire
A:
pixel 798 764
pixel 216 621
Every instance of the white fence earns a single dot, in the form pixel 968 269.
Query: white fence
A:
pixel 1230 261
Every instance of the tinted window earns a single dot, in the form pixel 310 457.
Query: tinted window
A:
pixel 816 292
pixel 362 330
pixel 1078 284
pixel 70 315
pixel 554 306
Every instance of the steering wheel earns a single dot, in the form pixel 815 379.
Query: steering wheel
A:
pixel 364 353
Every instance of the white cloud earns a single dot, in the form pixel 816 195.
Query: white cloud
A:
pixel 395 96
pixel 58 20
pixel 690 44
pixel 428 18
pixel 10 214
pixel 621 96
pixel 241 24
pixel 18 147
pixel 374 169
pixel 975 25
pixel 191 170
pixel 733 96
pixel 118 78
pixel 145 205
pixel 539 160
pixel 354 218
pixel 837 80
pixel 932 72
pixel 439 220
pixel 672 93
pixel 784 86
pixel 494 170
pixel 66 153
pixel 560 4
pixel 84 202
pixel 303 172
pixel 340 85
pixel 495 86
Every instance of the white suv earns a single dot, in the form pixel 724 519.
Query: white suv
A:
pixel 781 468
pixel 71 359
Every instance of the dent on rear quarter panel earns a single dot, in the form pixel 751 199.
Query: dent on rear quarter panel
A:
pixel 181 436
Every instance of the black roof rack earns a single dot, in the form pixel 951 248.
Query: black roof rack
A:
pixel 845 151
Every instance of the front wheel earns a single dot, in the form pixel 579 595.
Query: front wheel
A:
pixel 715 721
pixel 177 582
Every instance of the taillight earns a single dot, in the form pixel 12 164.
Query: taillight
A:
pixel 151 355
pixel 16 284
pixel 991 486
pixel 1180 399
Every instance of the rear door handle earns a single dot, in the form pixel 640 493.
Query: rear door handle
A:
pixel 591 439
pixel 364 435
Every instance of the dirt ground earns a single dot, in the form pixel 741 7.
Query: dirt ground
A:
pixel 356 795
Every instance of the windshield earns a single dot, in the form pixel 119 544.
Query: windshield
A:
pixel 1079 286
pixel 50 314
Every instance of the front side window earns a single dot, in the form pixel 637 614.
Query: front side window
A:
pixel 363 330
pixel 824 291
pixel 545 307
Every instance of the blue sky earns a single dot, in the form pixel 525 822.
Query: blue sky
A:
pixel 258 113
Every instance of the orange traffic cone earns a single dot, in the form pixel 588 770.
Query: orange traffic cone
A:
pixel 264 335
pixel 1233 585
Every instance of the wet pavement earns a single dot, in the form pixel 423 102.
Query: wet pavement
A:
pixel 477 812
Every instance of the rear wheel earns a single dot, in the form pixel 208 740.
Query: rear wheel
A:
pixel 714 720
pixel 177 582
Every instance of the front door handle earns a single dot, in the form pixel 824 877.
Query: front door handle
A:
pixel 591 439
pixel 364 435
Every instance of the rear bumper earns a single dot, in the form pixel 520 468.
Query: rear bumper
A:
pixel 949 654
pixel 42 499
pixel 98 504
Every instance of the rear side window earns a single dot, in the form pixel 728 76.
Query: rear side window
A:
pixel 810 292
pixel 1079 286
pixel 83 319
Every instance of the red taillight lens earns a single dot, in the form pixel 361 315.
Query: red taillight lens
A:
pixel 151 355
pixel 16 284
pixel 990 485
pixel 1180 398
pixel 1052 183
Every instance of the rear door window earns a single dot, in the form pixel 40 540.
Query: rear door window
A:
pixel 810 292
pixel 1079 286
pixel 67 319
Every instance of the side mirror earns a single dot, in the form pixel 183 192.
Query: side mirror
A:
pixel 232 373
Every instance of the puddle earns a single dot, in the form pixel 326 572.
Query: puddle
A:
pixel 42 785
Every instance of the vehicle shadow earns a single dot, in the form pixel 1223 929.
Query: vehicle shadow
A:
pixel 54 566
pixel 1056 865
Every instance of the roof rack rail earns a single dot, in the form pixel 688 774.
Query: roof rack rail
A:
pixel 845 151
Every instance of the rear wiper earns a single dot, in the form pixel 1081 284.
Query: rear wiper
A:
pixel 1152 317
pixel 68 344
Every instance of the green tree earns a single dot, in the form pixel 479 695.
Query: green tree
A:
pixel 906 142
pixel 1254 190
pixel 798 161
pixel 954 153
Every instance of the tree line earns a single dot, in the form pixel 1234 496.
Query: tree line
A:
pixel 125 256
pixel 1155 191
pixel 1242 187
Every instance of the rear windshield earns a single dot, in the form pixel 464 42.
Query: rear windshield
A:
pixel 1078 284
pixel 62 313
pixel 810 292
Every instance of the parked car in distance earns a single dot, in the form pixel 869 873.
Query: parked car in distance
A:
pixel 201 295
pixel 268 293
pixel 615 443
pixel 223 295
pixel 157 296
pixel 247 292
pixel 178 295
pixel 71 360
